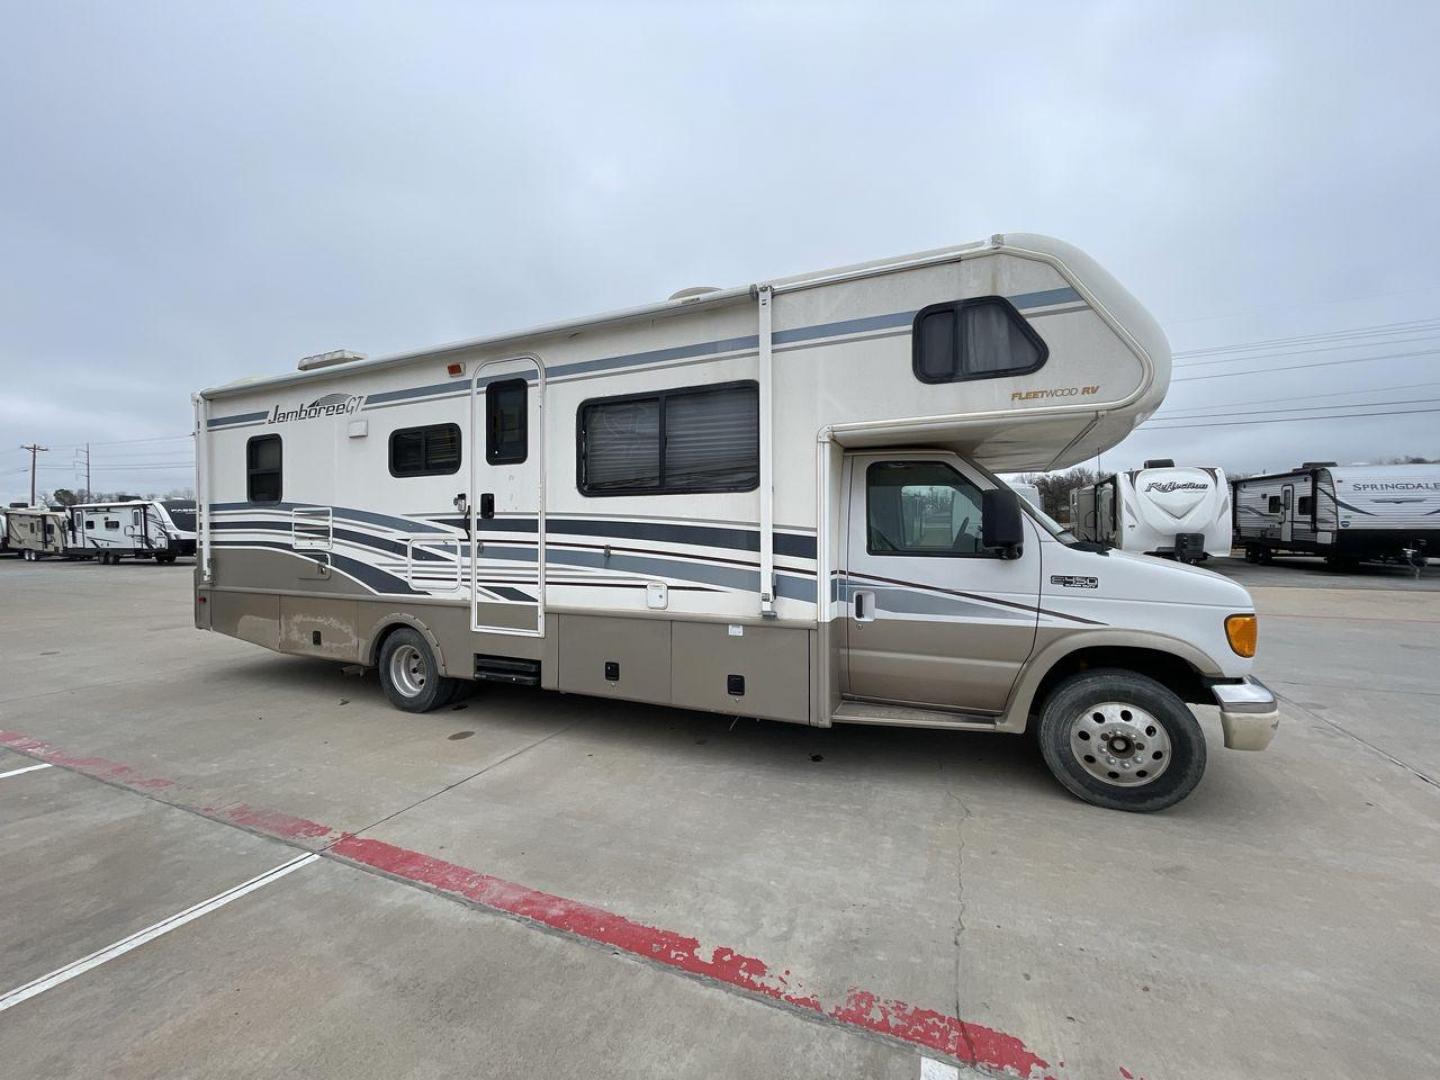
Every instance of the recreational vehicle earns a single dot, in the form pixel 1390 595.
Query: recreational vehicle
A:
pixel 1029 492
pixel 775 500
pixel 1180 513
pixel 34 531
pixel 140 529
pixel 1349 513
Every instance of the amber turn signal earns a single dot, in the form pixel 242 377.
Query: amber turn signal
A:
pixel 1242 630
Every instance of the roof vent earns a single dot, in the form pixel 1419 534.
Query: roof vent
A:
pixel 328 359
pixel 1318 465
pixel 1160 463
pixel 693 291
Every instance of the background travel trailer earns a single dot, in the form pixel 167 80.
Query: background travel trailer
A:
pixel 142 529
pixel 772 500
pixel 1178 512
pixel 35 531
pixel 1029 492
pixel 1347 513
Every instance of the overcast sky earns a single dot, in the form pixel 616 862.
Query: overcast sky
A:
pixel 190 193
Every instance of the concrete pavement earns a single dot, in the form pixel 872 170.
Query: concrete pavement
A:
pixel 1280 922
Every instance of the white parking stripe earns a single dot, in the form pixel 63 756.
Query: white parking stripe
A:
pixel 930 1069
pixel 150 933
pixel 28 768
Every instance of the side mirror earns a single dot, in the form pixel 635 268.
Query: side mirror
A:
pixel 1001 525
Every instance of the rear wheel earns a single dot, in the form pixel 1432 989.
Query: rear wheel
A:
pixel 1121 740
pixel 411 675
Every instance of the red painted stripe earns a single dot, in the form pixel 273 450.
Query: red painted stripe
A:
pixel 963 1040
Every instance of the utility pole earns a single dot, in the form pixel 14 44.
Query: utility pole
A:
pixel 34 450
pixel 86 452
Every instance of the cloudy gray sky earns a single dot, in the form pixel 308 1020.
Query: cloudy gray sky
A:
pixel 194 192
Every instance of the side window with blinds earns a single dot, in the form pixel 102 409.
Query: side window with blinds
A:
pixel 263 461
pixel 985 338
pixel 425 451
pixel 699 439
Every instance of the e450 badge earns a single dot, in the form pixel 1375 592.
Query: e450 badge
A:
pixel 1074 581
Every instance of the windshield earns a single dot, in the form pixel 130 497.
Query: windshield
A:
pixel 1044 520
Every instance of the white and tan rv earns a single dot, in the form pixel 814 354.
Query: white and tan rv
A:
pixel 34 531
pixel 775 500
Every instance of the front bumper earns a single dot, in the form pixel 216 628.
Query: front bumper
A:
pixel 1249 713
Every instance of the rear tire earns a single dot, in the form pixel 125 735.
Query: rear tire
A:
pixel 1121 740
pixel 411 675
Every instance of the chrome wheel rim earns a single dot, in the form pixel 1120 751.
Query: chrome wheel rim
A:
pixel 407 671
pixel 1120 744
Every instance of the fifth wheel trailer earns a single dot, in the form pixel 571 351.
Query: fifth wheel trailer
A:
pixel 1347 513
pixel 775 500
pixel 1177 512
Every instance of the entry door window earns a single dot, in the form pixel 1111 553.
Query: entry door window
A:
pixel 921 508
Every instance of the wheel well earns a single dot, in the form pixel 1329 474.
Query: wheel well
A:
pixel 1165 668
pixel 385 632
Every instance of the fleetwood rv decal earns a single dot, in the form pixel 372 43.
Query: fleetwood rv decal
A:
pixel 329 405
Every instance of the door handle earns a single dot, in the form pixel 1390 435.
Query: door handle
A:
pixel 864 601
pixel 487 505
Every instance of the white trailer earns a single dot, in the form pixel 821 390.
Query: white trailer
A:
pixel 1029 492
pixel 34 531
pixel 1175 512
pixel 134 528
pixel 774 500
pixel 1347 513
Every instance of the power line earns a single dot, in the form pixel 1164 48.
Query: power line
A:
pixel 1249 355
pixel 1287 419
pixel 1295 397
pixel 1378 330
pixel 1307 408
pixel 1312 364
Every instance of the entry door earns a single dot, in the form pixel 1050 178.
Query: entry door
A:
pixel 1287 513
pixel 507 497
pixel 933 618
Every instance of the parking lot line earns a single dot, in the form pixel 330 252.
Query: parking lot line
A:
pixel 27 768
pixel 860 1008
pixel 150 933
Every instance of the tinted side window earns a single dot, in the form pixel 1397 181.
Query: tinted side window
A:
pixel 974 339
pixel 1274 504
pixel 263 460
pixel 703 439
pixel 921 508
pixel 425 451
pixel 1304 506
pixel 506 437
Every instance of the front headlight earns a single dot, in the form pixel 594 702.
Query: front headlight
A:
pixel 1242 632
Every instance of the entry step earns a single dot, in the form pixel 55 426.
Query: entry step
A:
pixel 867 712
pixel 507 669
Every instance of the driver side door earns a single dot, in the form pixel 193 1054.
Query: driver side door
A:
pixel 933 618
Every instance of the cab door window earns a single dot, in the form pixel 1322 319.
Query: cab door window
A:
pixel 921 508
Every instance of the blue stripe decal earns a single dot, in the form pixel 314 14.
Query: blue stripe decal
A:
pixel 1046 298
pixel 399 524
pixel 238 418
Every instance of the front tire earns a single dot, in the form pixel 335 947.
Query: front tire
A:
pixel 411 675
pixel 1121 740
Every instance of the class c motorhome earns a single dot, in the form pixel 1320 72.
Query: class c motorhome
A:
pixel 1176 512
pixel 775 500
pixel 1347 513
pixel 135 528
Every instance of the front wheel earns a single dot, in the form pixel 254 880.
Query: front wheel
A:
pixel 411 675
pixel 1121 740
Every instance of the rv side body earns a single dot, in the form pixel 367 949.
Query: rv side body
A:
pixel 141 529
pixel 1346 513
pixel 765 501
pixel 34 531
